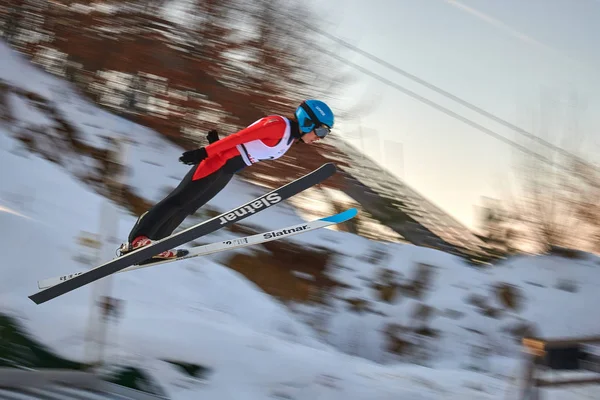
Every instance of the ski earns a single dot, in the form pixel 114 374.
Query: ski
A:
pixel 204 228
pixel 231 244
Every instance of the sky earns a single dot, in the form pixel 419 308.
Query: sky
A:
pixel 532 63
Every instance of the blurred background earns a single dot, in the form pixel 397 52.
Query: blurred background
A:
pixel 465 136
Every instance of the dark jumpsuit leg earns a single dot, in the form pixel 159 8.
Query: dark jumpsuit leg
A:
pixel 191 207
pixel 168 213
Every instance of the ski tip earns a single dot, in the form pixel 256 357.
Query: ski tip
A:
pixel 329 165
pixel 341 217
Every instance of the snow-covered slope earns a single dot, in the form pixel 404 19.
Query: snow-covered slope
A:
pixel 200 311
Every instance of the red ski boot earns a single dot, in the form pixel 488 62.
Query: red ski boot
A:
pixel 143 241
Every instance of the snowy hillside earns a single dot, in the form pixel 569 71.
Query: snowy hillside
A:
pixel 393 303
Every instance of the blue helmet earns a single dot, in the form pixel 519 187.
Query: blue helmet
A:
pixel 314 114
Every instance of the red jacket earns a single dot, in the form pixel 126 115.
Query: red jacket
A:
pixel 269 130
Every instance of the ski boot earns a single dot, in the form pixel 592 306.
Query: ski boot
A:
pixel 143 241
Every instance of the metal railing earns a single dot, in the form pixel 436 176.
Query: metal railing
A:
pixel 542 354
pixel 65 385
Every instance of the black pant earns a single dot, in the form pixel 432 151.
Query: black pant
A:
pixel 165 216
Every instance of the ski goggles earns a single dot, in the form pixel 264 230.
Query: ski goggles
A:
pixel 322 131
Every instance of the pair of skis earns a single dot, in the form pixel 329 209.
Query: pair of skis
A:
pixel 231 244
pixel 54 287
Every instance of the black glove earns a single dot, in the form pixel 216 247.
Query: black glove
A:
pixel 212 136
pixel 193 157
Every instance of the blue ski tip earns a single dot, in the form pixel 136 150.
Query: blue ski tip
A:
pixel 341 217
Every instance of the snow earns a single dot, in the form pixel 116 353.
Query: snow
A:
pixel 202 312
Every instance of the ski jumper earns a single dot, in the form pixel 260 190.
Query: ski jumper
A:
pixel 266 139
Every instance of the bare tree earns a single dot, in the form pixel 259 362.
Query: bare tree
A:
pixel 588 201
pixel 552 190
